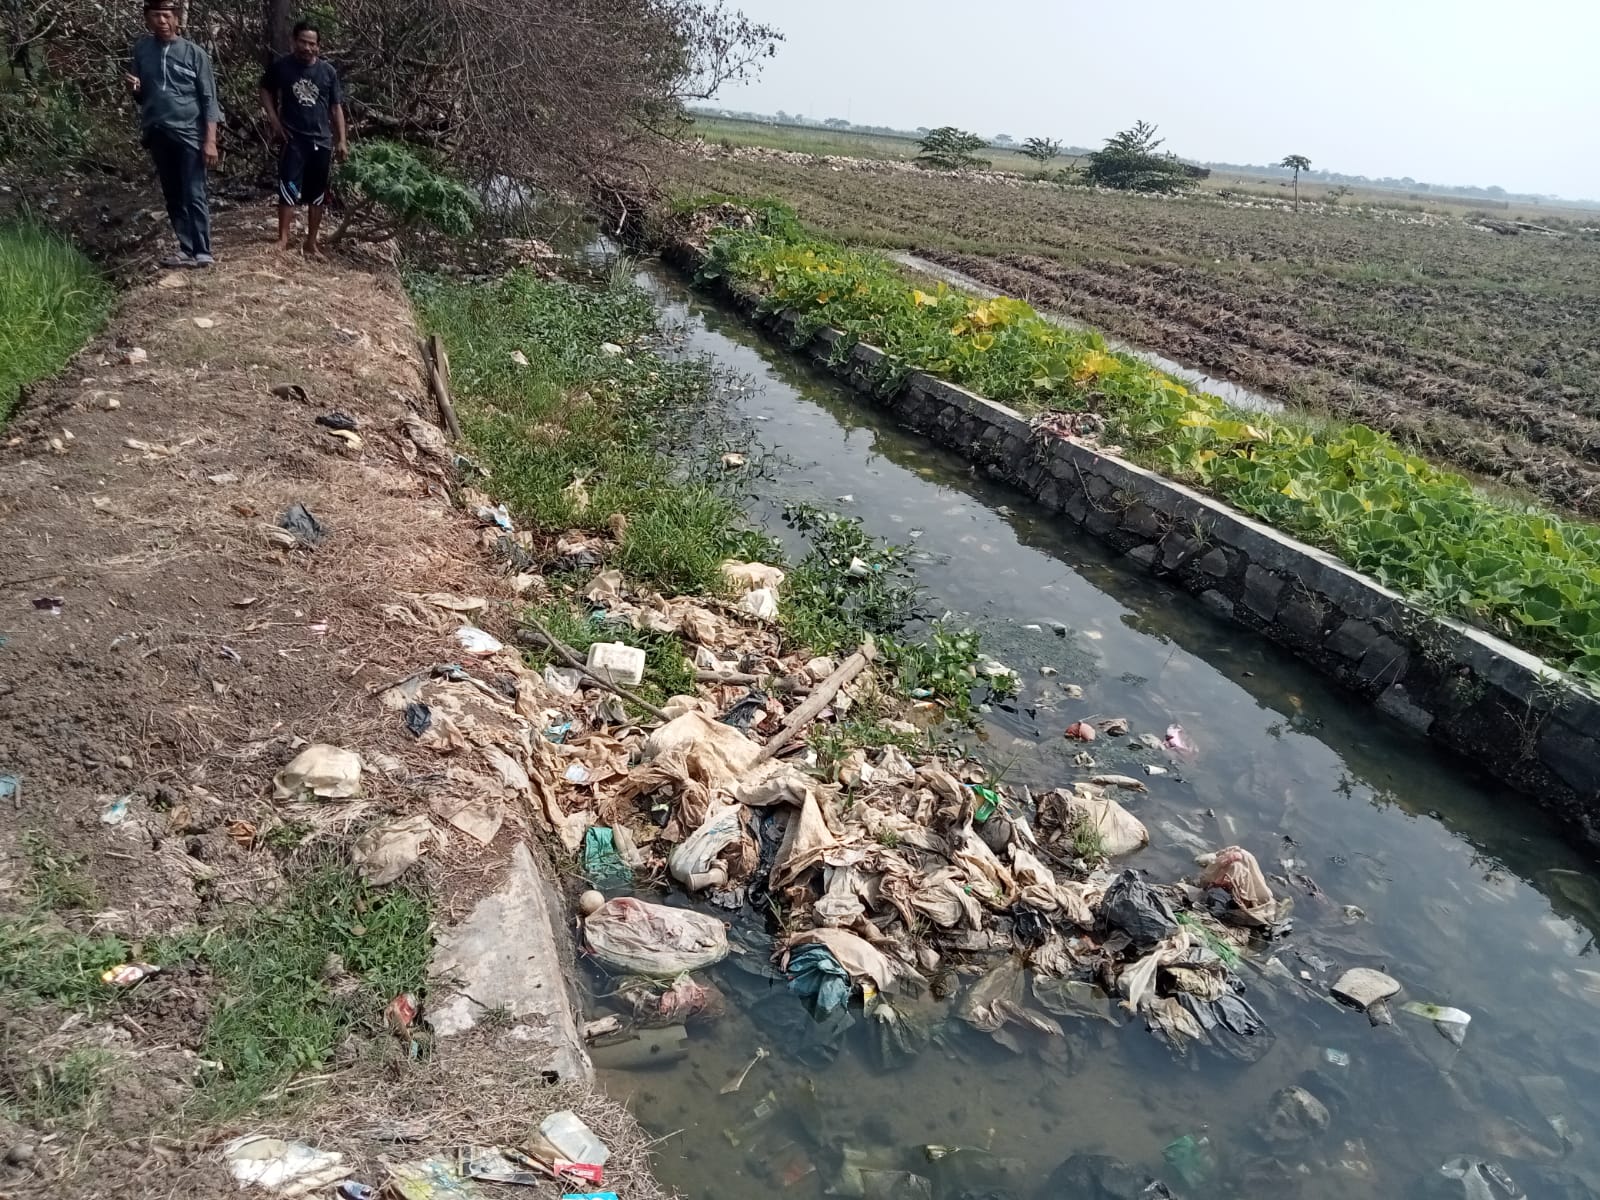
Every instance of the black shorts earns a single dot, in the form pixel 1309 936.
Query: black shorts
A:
pixel 303 170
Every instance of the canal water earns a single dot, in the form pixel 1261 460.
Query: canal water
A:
pixel 1404 860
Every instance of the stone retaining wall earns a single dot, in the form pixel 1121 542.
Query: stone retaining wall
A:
pixel 1499 707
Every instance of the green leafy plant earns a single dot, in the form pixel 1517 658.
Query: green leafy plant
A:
pixel 939 666
pixel 950 149
pixel 389 190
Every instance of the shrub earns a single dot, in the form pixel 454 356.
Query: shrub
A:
pixel 1130 162
pixel 392 191
pixel 950 149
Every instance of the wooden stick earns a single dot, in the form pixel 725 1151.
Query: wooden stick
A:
pixel 774 683
pixel 820 698
pixel 438 365
pixel 576 663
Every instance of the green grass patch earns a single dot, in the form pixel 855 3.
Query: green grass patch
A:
pixel 667 669
pixel 67 1090
pixel 1515 569
pixel 52 300
pixel 277 1010
pixel 42 961
pixel 581 412
pixel 275 1007
pixel 55 881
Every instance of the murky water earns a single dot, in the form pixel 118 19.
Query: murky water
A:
pixel 1226 389
pixel 1469 898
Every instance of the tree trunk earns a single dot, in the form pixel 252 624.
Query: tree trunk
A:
pixel 1297 191
pixel 279 25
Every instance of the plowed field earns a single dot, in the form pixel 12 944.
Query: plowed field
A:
pixel 1481 350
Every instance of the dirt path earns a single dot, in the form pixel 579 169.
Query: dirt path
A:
pixel 160 643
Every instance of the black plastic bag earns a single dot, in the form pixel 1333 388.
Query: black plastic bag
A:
pixel 1100 1177
pixel 1138 910
pixel 746 711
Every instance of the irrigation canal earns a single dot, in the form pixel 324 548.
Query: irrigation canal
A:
pixel 1454 886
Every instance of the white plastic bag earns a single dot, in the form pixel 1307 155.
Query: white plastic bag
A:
pixel 751 575
pixel 761 604
pixel 288 1168
pixel 1120 831
pixel 693 862
pixel 477 641
pixel 636 938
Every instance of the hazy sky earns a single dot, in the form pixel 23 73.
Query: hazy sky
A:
pixel 1447 91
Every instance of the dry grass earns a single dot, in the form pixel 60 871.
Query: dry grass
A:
pixel 207 652
pixel 479 1089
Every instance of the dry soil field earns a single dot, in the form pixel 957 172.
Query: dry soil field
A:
pixel 1480 349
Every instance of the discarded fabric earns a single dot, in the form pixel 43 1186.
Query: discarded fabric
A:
pixel 815 975
pixel 602 865
pixel 324 771
pixel 288 1168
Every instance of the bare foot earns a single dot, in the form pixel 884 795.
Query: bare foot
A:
pixel 314 251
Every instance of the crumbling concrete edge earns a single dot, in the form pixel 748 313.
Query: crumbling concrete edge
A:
pixel 508 958
pixel 1499 708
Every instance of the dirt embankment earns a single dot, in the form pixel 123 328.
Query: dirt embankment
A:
pixel 166 647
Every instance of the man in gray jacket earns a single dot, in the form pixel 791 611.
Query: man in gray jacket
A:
pixel 172 82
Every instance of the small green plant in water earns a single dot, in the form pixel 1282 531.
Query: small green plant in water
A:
pixel 937 666
pixel 1087 842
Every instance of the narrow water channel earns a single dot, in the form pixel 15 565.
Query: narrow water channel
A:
pixel 1420 868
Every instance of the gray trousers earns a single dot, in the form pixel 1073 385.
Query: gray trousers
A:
pixel 182 170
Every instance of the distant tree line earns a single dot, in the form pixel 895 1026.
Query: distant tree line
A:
pixel 1269 170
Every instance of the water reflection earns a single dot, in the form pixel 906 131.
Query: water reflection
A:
pixel 1402 860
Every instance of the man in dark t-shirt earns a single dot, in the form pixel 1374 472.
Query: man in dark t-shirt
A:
pixel 305 107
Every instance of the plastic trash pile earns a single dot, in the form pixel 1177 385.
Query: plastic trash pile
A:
pixel 895 877
pixel 563 1150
